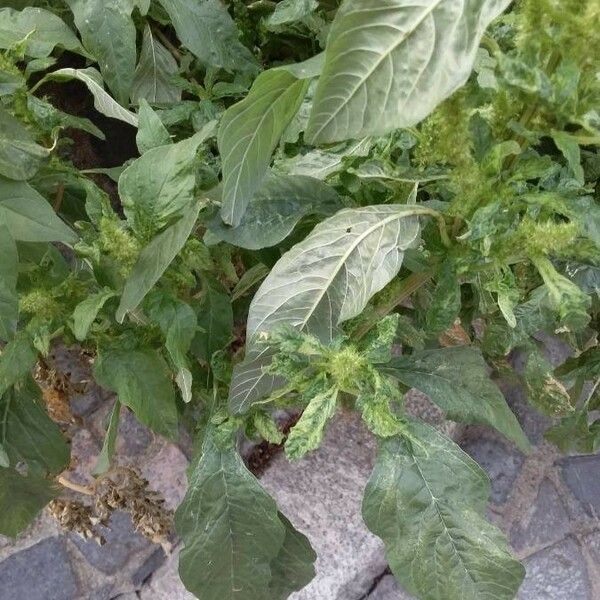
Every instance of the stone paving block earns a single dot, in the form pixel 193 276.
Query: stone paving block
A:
pixel 41 572
pixel 498 458
pixel 321 495
pixel 165 583
pixel 582 476
pixel 122 543
pixel 388 589
pixel 546 523
pixel 165 468
pixel 556 573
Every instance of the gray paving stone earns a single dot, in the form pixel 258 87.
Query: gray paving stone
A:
pixel 122 542
pixel 499 459
pixel 148 567
pixel 41 572
pixel 547 521
pixel 388 589
pixel 582 476
pixel 165 583
pixel 321 495
pixel 556 573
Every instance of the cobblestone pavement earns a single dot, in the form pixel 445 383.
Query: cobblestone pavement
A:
pixel 547 505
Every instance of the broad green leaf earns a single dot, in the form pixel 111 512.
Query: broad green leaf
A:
pixel 151 132
pixel 426 499
pixel 155 259
pixel 178 323
pixel 108 32
pixel 110 441
pixel 20 156
pixel 275 210
pixel 323 281
pixel 293 568
pixel 205 28
pixel 28 217
pixel 28 434
pixel 290 11
pixel 103 102
pixel 17 359
pixel 159 184
pixel 21 499
pixel 307 433
pixel 43 30
pixel 249 132
pixel 456 380
pixel 230 529
pixel 50 117
pixel 9 269
pixel 215 320
pixel 153 79
pixel 388 65
pixel 85 312
pixel 142 381
pixel 322 164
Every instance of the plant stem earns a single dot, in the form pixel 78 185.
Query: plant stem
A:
pixel 82 489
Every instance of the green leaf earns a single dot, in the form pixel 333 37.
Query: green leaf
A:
pixel 205 28
pixel 456 380
pixel 20 156
pixel 28 434
pixel 155 259
pixel 570 150
pixel 291 11
pixel 293 568
pixel 108 32
pixel 307 433
pixel 153 79
pixel 28 217
pixel 43 30
pixel 21 499
pixel 249 132
pixel 103 102
pixel 248 280
pixel 9 269
pixel 323 281
pixel 151 132
pixel 426 499
pixel 50 117
pixel 178 323
pixel 215 320
pixel 85 312
pixel 570 302
pixel 446 302
pixel 575 434
pixel 159 184
pixel 17 359
pixel 110 441
pixel 230 529
pixel 545 391
pixel 267 428
pixel 275 210
pixel 388 66
pixel 142 381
